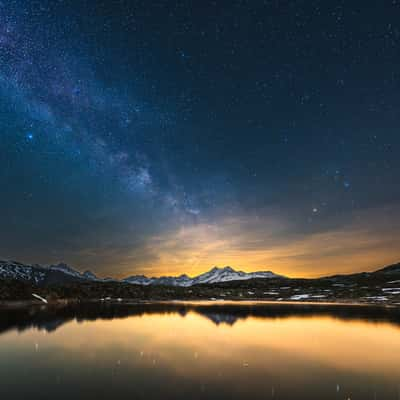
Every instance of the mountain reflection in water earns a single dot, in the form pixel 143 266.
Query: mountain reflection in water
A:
pixel 51 317
pixel 200 351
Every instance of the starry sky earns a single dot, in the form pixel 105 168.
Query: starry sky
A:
pixel 166 137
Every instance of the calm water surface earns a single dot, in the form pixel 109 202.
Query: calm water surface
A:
pixel 183 352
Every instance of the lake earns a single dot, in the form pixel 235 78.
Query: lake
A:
pixel 200 351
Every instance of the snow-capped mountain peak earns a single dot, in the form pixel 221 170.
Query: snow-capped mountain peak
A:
pixel 66 269
pixel 89 275
pixel 214 275
pixel 227 273
pixel 138 280
pixel 39 274
pixel 61 273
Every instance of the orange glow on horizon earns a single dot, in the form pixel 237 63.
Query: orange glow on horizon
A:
pixel 197 249
pixel 256 243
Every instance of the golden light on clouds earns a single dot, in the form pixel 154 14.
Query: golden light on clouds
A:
pixel 267 243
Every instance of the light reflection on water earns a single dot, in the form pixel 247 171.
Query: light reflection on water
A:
pixel 209 354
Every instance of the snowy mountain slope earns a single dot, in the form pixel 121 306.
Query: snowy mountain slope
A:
pixel 38 274
pixel 139 280
pixel 66 270
pixel 16 270
pixel 62 273
pixel 215 275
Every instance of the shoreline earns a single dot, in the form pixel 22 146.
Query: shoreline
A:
pixel 16 304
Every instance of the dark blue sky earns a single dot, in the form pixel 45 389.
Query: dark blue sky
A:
pixel 167 137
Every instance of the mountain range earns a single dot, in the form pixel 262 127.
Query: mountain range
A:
pixel 215 275
pixel 62 273
pixel 60 282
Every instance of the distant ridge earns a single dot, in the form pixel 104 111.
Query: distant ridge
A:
pixel 391 269
pixel 62 273
pixel 214 275
pixel 42 275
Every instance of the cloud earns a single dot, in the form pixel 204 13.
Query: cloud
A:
pixel 254 243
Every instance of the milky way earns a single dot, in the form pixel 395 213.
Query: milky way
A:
pixel 168 137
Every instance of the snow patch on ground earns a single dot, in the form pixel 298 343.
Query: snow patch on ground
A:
pixel 300 297
pixel 377 298
pixel 39 297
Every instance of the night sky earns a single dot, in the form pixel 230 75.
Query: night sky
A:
pixel 162 137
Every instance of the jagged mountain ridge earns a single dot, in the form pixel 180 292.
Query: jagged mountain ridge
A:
pixel 38 274
pixel 61 273
pixel 215 275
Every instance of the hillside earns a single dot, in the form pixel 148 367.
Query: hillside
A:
pixel 381 286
